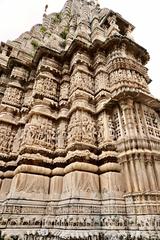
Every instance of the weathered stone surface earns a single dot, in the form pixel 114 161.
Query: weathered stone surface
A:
pixel 79 130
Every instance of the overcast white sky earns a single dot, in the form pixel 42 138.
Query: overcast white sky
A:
pixel 17 16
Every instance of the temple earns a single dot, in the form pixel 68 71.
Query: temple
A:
pixel 79 130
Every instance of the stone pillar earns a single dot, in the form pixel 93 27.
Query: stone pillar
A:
pixel 38 138
pixel 63 111
pixel 139 173
pixel 10 114
pixel 139 121
pixel 144 173
pixel 62 135
pixel 151 174
pixel 127 174
pixel 64 86
pixel 127 108
pixel 101 76
pixel 133 175
pixel 157 169
pixel 107 136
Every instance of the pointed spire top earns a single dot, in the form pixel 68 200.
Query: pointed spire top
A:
pixel 46 7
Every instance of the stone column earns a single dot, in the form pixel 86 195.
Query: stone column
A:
pixel 9 116
pixel 120 122
pixel 133 174
pixel 61 135
pixel 139 121
pixel 144 173
pixel 63 111
pixel 127 108
pixel 157 169
pixel 107 137
pixel 127 175
pixel 151 174
pixel 139 173
pixel 12 101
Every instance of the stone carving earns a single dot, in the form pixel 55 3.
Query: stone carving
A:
pixel 81 128
pixel 17 140
pixel 101 82
pixel 152 122
pixel 79 131
pixel 46 85
pixel 34 184
pixel 62 135
pixel 64 91
pixel 114 28
pixel 76 187
pixel 13 96
pixel 7 133
pixel 41 134
pixel 19 73
pixel 74 131
pixel 128 78
pixel 81 80
pixel 100 129
pixel 27 98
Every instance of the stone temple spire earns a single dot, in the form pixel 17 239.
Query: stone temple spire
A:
pixel 79 131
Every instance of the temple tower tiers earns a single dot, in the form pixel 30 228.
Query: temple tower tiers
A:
pixel 79 130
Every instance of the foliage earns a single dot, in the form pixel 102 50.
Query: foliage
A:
pixel 57 18
pixel 34 44
pixel 62 44
pixel 43 29
pixel 64 33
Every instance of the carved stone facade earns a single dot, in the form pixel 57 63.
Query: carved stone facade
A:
pixel 79 130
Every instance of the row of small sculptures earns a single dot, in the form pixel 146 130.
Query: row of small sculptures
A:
pixel 101 236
